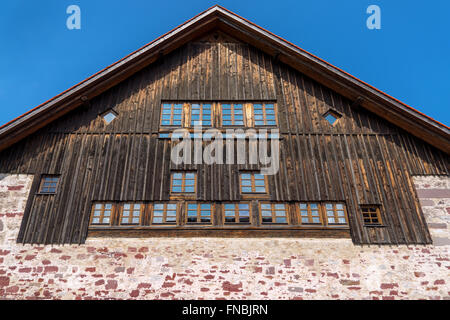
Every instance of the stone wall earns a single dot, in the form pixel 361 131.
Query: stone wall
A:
pixel 201 268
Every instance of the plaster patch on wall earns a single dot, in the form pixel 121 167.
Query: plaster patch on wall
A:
pixel 434 195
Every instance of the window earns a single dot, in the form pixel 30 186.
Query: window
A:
pixel 237 213
pixel 109 116
pixel 232 115
pixel 201 115
pixel 335 213
pixel 253 183
pixel 264 115
pixel 164 213
pixel 371 215
pixel 273 213
pixel 49 184
pixel 310 213
pixel 102 214
pixel 183 182
pixel 332 117
pixel 131 214
pixel 171 114
pixel 199 213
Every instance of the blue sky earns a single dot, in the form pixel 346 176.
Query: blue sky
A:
pixel 409 58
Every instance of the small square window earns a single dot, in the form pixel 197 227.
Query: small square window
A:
pixel 371 215
pixel 109 116
pixel 332 117
pixel 49 185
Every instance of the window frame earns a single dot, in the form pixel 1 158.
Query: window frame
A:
pixel 333 113
pixel 103 209
pixel 164 216
pixel 232 104
pixel 201 104
pixel 105 113
pixel 199 223
pixel 253 186
pixel 172 114
pixel 377 212
pixel 264 114
pixel 42 182
pixel 236 204
pixel 183 185
pixel 309 212
pixel 273 211
pixel 132 205
pixel 335 211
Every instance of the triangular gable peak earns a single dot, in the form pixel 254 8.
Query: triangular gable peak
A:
pixel 218 18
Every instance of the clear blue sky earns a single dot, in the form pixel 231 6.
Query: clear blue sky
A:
pixel 409 58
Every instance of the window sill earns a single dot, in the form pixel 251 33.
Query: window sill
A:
pixel 374 226
pixel 220 232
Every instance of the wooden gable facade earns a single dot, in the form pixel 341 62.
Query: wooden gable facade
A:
pixel 363 160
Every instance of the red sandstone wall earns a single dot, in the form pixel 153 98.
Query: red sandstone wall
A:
pixel 202 268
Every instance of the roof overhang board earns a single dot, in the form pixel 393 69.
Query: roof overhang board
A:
pixel 370 98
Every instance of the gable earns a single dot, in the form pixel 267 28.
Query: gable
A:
pixel 358 92
pixel 217 67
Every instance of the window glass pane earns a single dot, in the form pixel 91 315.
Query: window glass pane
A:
pixel 157 220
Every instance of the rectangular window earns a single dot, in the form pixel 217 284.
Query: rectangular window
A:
pixel 253 183
pixel 49 184
pixel 335 213
pixel 201 114
pixel 273 213
pixel 310 213
pixel 164 213
pixel 232 115
pixel 264 115
pixel 102 214
pixel 171 114
pixel 199 213
pixel 131 214
pixel 371 215
pixel 237 213
pixel 183 182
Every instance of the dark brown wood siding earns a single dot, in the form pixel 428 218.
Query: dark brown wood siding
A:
pixel 361 160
